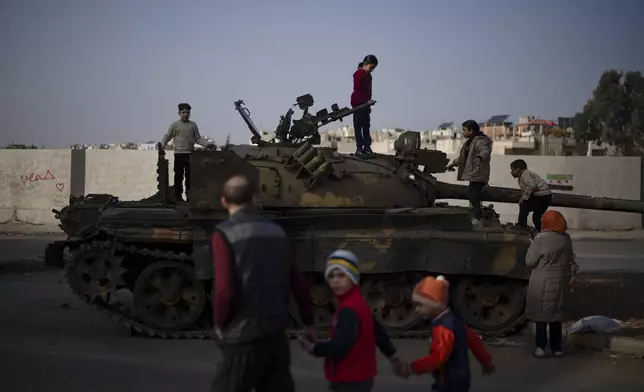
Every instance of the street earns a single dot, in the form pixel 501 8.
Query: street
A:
pixel 23 253
pixel 50 341
pixel 616 255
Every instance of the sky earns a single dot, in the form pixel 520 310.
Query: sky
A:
pixel 113 71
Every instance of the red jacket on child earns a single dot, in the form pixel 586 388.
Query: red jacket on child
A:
pixel 361 87
pixel 360 363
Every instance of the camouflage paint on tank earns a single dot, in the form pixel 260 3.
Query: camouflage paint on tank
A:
pixel 313 200
pixel 402 250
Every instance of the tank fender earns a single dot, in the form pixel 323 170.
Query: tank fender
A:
pixel 54 252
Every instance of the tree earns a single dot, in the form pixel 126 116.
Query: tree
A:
pixel 227 142
pixel 615 113
pixel 14 146
pixel 583 130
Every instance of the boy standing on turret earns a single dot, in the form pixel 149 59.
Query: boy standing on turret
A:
pixel 185 134
pixel 473 164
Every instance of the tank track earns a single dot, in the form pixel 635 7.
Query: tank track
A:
pixel 120 316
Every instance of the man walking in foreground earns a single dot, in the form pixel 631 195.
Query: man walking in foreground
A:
pixel 185 134
pixel 254 274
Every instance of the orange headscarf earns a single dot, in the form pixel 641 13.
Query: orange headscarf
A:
pixel 553 221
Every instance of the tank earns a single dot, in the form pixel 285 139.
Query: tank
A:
pixel 148 263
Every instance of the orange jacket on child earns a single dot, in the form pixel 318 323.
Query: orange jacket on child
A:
pixel 448 357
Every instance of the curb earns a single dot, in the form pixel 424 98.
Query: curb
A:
pixel 619 235
pixel 24 233
pixel 598 341
pixel 612 343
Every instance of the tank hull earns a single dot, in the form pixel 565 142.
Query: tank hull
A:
pixel 396 248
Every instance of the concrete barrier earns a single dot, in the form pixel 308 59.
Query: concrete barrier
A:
pixel 128 174
pixel 32 182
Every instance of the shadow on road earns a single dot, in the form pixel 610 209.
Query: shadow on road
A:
pixel 24 267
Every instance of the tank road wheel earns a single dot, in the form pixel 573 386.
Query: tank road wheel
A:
pixel 168 296
pixel 94 272
pixel 492 306
pixel 390 300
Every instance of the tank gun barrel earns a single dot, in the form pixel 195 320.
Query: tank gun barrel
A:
pixel 339 114
pixel 245 114
pixel 510 195
pixel 308 125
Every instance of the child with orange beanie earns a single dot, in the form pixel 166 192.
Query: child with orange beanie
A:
pixel 451 338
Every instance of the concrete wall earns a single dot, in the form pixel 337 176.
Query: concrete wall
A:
pixel 32 182
pixel 128 174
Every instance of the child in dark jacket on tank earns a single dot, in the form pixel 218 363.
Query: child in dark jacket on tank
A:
pixel 350 353
pixel 451 338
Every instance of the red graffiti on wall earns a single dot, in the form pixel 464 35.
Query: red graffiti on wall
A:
pixel 33 177
pixel 48 176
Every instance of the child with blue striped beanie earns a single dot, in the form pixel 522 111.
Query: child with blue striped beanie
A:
pixel 346 262
pixel 350 353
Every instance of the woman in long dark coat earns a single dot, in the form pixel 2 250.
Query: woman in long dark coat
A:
pixel 553 261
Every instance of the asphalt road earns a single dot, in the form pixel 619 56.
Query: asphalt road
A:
pixel 616 255
pixel 49 341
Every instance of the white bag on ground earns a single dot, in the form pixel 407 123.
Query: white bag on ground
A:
pixel 599 324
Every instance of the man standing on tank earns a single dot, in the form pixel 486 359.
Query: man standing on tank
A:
pixel 254 274
pixel 473 164
pixel 185 134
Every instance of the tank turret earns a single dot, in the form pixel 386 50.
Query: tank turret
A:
pixel 293 132
pixel 300 174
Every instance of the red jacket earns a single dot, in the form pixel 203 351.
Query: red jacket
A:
pixel 361 87
pixel 360 363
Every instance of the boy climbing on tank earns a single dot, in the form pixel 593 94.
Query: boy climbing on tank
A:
pixel 535 195
pixel 361 94
pixel 350 353
pixel 473 164
pixel 448 358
